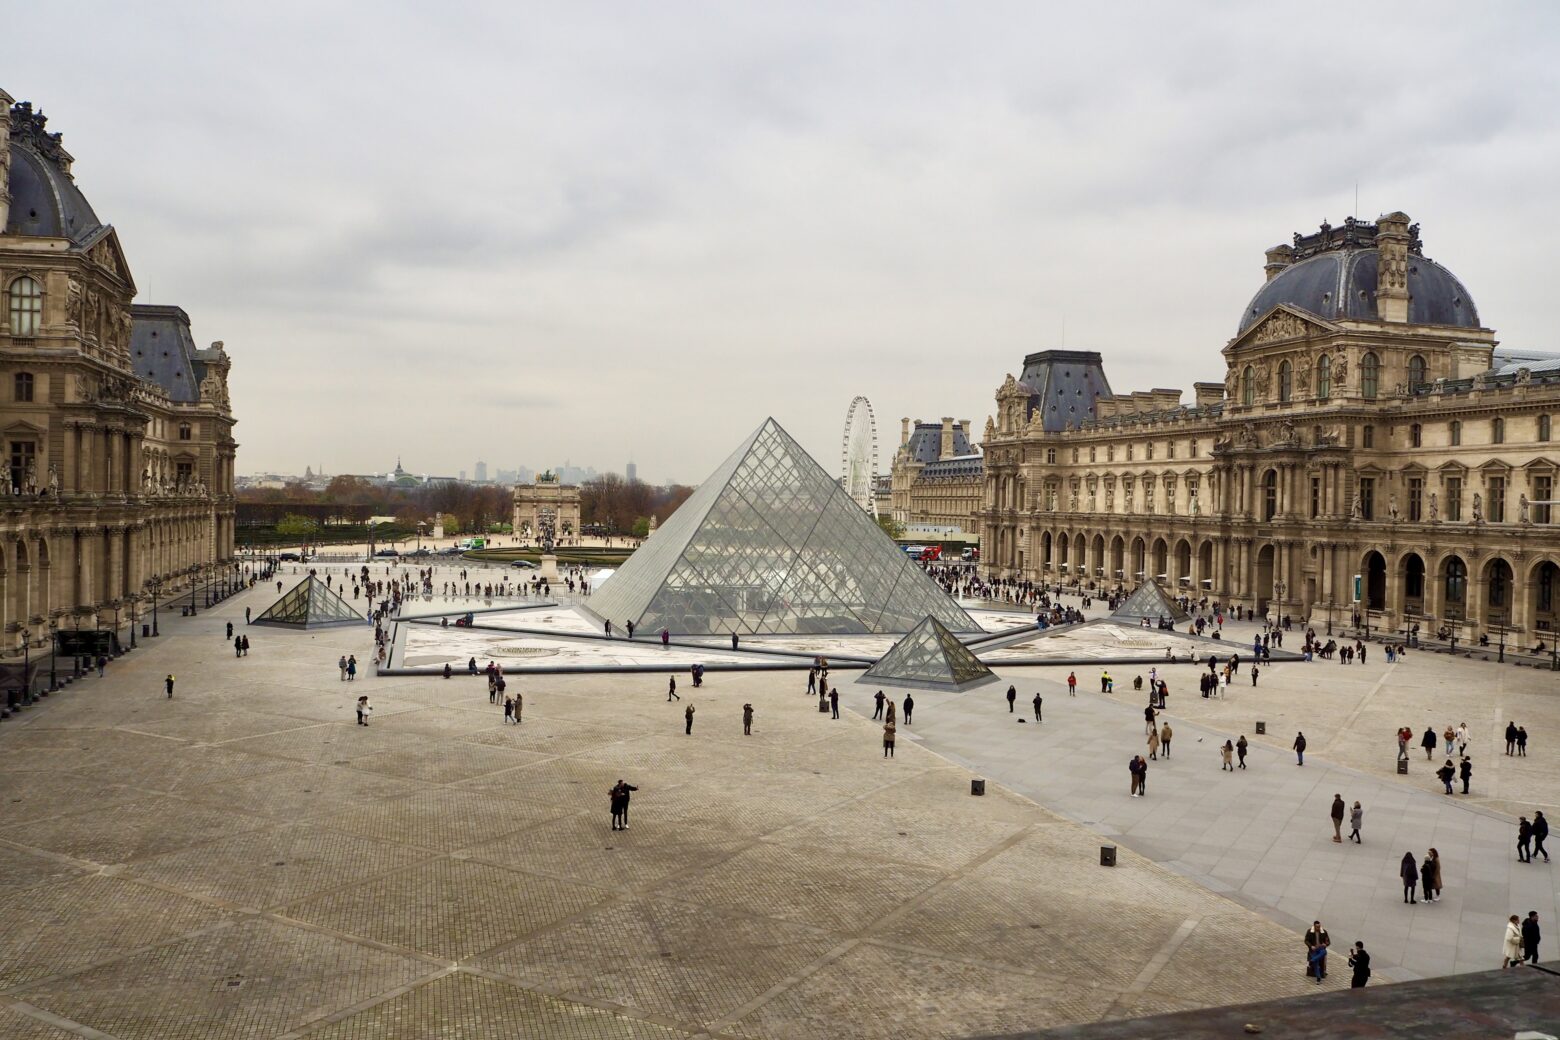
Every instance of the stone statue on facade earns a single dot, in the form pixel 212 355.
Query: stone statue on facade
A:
pixel 1357 508
pixel 1392 509
pixel 1193 504
pixel 1478 508
pixel 1522 508
pixel 54 481
pixel 1435 511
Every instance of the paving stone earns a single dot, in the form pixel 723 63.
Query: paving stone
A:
pixel 18 1025
pixel 447 908
pixel 460 1006
pixel 298 791
pixel 256 979
pixel 585 848
pixel 443 819
pixel 21 867
pixel 444 761
pixel 136 830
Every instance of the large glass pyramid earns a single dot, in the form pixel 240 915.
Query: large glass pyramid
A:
pixel 1149 601
pixel 771 544
pixel 930 657
pixel 310 604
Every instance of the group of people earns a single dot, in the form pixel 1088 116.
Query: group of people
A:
pixel 1317 942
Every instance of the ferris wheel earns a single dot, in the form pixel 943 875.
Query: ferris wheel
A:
pixel 859 455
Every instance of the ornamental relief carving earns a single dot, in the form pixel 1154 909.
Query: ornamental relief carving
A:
pixel 1280 326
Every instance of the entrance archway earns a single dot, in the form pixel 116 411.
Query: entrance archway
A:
pixel 1139 558
pixel 1375 581
pixel 1454 588
pixel 1545 607
pixel 1263 592
pixel 1498 592
pixel 1161 561
pixel 1414 583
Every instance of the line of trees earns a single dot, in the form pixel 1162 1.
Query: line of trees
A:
pixel 618 506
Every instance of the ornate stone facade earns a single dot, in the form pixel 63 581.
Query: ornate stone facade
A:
pixel 1351 436
pixel 547 497
pixel 119 466
pixel 935 481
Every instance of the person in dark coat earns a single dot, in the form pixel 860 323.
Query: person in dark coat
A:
pixel 909 707
pixel 1359 960
pixel 1447 774
pixel 1299 747
pixel 1428 743
pixel 1409 872
pixel 688 719
pixel 1524 839
pixel 671 689
pixel 1466 772
pixel 834 702
pixel 1012 696
pixel 1316 942
pixel 878 699
pixel 1530 937
pixel 1039 703
pixel 1540 832
pixel 1511 739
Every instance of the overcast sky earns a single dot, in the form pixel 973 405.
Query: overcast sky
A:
pixel 530 233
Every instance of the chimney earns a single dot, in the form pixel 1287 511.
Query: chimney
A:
pixel 945 451
pixel 1278 258
pixel 6 101
pixel 1392 240
pixel 904 432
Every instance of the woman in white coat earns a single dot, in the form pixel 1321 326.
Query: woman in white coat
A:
pixel 1512 953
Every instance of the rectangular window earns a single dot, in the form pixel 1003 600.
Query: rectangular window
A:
pixel 24 455
pixel 1497 504
pixel 24 386
pixel 184 472
pixel 1368 437
pixel 1543 491
pixel 1170 449
pixel 1316 497
pixel 1416 494
pixel 1367 497
pixel 1454 498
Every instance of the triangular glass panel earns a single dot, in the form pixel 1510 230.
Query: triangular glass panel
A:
pixel 310 604
pixel 929 657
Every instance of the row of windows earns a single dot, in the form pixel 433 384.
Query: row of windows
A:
pixel 24 306
pixel 1542 432
pixel 1110 452
pixel 1370 378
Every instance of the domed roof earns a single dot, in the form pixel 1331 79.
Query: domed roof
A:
pixel 1341 283
pixel 45 201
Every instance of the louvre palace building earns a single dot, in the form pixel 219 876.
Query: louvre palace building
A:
pixel 1368 424
pixel 118 431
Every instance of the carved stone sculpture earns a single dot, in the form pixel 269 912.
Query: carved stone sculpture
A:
pixel 1478 508
pixel 1522 508
pixel 1435 512
pixel 1356 508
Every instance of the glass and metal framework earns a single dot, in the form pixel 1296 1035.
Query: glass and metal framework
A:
pixel 929 657
pixel 310 604
pixel 1149 601
pixel 771 544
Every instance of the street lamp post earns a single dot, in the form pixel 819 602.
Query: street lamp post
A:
pixel 156 584
pixel 27 696
pixel 54 628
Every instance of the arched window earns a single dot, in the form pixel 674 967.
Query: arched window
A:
pixel 24 386
pixel 1270 494
pixel 24 304
pixel 1543 427
pixel 1416 370
pixel 1323 377
pixel 1370 376
pixel 1286 381
pixel 1455 433
pixel 1456 580
pixel 1416 435
pixel 1248 386
pixel 1497 431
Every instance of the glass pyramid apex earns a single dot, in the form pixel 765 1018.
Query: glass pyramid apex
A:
pixel 1150 601
pixel 931 657
pixel 310 604
pixel 771 544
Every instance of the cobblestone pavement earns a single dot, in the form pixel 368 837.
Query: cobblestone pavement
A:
pixel 244 861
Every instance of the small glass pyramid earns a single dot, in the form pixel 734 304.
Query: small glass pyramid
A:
pixel 310 604
pixel 929 657
pixel 771 544
pixel 1149 601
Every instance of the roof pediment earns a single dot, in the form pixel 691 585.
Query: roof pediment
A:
pixel 1284 322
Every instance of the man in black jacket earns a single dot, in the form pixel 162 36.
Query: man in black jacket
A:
pixel 1540 832
pixel 1316 936
pixel 1359 960
pixel 1530 937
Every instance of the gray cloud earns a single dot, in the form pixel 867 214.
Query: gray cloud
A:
pixel 528 232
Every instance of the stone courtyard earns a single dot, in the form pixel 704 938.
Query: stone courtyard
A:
pixel 244 861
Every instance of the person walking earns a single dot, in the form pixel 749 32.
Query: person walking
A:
pixel 519 704
pixel 1165 734
pixel 1540 832
pixel 1430 876
pixel 1316 942
pixel 351 668
pixel 230 630
pixel 1511 950
pixel 812 680
pixel 671 689
pixel 688 720
pixel 834 702
pixel 246 615
pixel 168 684
pixel 1447 774
pixel 1511 738
pixel 1038 702
pixel 1521 741
pixel 1338 810
pixel 1465 771
pixel 877 699
pixel 362 711
pixel 747 720
pixel 1462 738
pixel 1012 697
pixel 889 717
pixel 1148 719
pixel 509 710
pixel 1404 735
pixel 1530 937
pixel 1524 839
pixel 1227 752
pixel 888 740
pixel 1356 817
pixel 1240 750
pixel 1428 743
pixel 909 707
pixel 1153 744
pixel 1450 736
pixel 1299 748
pixel 1359 961
pixel 1253 674
pixel 1072 684
pixel 1134 773
pixel 1408 870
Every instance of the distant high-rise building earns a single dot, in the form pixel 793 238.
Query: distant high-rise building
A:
pixel 481 472
pixel 632 472
pixel 463 475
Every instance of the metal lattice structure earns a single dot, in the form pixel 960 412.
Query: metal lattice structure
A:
pixel 859 455
pixel 770 543
pixel 930 657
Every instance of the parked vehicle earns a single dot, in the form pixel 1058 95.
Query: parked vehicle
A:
pixel 523 564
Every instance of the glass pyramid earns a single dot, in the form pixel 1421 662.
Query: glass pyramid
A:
pixel 310 604
pixel 1149 601
pixel 771 544
pixel 931 657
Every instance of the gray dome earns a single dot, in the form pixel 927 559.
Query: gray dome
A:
pixel 45 202
pixel 1342 284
